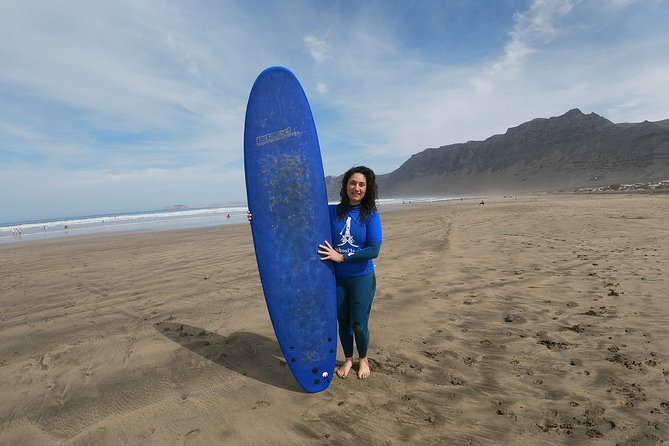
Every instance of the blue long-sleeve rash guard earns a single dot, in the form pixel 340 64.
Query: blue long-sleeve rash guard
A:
pixel 358 242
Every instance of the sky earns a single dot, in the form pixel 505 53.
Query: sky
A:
pixel 126 105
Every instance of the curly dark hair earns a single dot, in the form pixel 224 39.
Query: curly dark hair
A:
pixel 368 203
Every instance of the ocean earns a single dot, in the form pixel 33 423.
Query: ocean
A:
pixel 120 222
pixel 145 221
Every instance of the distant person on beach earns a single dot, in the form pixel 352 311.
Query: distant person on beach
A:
pixel 357 236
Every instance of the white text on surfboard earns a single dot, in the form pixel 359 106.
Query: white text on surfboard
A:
pixel 276 136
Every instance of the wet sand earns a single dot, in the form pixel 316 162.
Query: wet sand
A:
pixel 536 320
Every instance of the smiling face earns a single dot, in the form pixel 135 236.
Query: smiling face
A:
pixel 356 188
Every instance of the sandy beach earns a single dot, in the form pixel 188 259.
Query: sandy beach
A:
pixel 534 320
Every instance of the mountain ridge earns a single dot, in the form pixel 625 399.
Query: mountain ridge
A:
pixel 565 152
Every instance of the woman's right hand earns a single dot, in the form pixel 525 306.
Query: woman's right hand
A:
pixel 249 216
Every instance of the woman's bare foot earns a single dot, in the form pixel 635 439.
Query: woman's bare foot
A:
pixel 342 371
pixel 363 369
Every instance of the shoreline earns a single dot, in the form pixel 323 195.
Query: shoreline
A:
pixel 237 217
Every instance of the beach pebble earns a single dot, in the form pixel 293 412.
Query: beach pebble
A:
pixel 432 419
pixel 509 318
pixel 456 382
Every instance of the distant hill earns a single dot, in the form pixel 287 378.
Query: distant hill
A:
pixel 664 123
pixel 176 207
pixel 228 204
pixel 559 153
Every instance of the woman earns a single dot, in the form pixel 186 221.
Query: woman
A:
pixel 357 236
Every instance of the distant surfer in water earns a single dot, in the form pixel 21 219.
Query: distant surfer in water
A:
pixel 357 236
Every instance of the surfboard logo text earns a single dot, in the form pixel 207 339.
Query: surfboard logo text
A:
pixel 276 136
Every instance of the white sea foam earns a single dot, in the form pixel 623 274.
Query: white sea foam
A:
pixel 156 220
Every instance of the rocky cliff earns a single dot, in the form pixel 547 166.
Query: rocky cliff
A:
pixel 559 153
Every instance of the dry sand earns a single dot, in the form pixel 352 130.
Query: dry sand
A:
pixel 164 338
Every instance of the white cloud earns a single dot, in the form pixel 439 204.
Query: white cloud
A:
pixel 534 26
pixel 318 48
pixel 538 23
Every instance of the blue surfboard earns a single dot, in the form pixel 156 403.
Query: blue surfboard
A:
pixel 285 188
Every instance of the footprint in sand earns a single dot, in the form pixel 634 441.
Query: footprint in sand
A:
pixel 145 434
pixel 261 403
pixel 193 433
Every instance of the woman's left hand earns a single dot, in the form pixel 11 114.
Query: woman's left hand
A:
pixel 329 253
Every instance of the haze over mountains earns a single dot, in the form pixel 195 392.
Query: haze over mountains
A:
pixel 560 153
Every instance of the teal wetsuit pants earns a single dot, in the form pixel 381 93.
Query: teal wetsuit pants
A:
pixel 354 304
